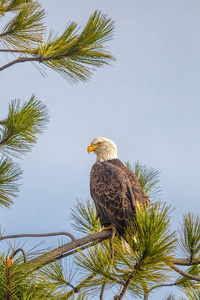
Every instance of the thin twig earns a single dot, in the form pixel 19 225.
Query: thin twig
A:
pixel 118 297
pixel 16 251
pixel 185 262
pixel 184 273
pixel 102 290
pixel 146 296
pixel 7 138
pixel 15 236
pixel 40 59
pixel 3 122
pixel 69 284
pixel 19 60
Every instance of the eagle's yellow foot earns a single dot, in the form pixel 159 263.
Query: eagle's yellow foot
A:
pixel 108 228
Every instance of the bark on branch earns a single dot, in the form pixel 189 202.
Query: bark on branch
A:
pixel 74 245
pixel 40 59
pixel 192 277
pixel 185 262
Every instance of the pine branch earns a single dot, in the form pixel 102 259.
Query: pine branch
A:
pixel 185 262
pixel 73 55
pixel 22 125
pixel 3 122
pixel 79 286
pixel 75 250
pixel 73 245
pixel 39 59
pixel 184 273
pixel 25 29
pixel 125 287
pixel 146 296
pixel 11 5
pixel 10 173
pixel 190 235
pixel 101 294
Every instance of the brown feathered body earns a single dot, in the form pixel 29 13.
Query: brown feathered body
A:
pixel 115 190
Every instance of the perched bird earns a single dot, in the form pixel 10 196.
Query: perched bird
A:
pixel 114 188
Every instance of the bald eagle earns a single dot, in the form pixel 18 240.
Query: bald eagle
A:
pixel 114 188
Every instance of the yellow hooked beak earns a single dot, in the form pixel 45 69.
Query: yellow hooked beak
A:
pixel 92 148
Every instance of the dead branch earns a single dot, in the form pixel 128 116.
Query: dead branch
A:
pixel 15 236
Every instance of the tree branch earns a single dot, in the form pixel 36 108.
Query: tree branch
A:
pixel 78 287
pixel 101 294
pixel 22 59
pixel 15 236
pixel 118 297
pixel 185 262
pixel 74 251
pixel 40 59
pixel 74 245
pixel 2 142
pixel 184 273
pixel 146 296
pixel 3 122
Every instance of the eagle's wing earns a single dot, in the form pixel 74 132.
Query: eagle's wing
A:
pixel 112 193
pixel 139 194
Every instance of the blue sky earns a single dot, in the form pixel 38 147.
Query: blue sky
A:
pixel 147 102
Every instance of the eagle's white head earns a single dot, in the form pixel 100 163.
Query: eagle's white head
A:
pixel 105 149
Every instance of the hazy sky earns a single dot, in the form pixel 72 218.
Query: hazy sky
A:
pixel 147 102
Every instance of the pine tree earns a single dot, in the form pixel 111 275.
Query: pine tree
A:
pixel 84 268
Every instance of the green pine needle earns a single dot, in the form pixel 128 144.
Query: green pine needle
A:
pixel 84 217
pixel 75 55
pixel 190 235
pixel 10 172
pixel 23 124
pixel 152 246
pixel 170 297
pixel 11 5
pixel 25 30
pixel 148 178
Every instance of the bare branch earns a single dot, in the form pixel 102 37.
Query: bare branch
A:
pixel 40 59
pixel 184 273
pixel 15 236
pixel 19 60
